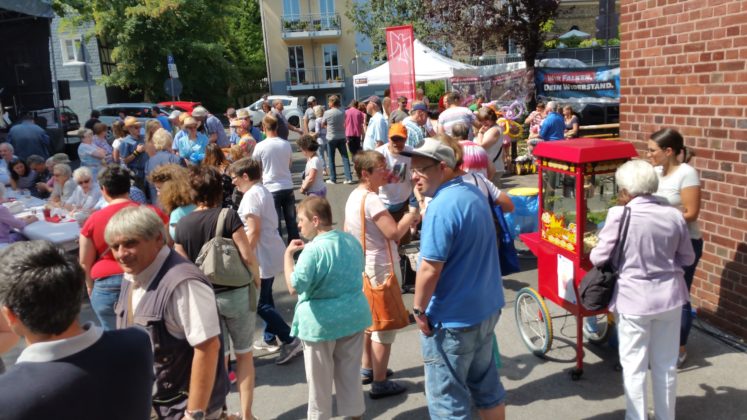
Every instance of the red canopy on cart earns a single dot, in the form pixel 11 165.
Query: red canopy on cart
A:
pixel 585 150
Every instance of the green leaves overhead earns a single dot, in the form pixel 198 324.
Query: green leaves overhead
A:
pixel 217 44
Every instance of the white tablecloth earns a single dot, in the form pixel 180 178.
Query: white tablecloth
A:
pixel 64 234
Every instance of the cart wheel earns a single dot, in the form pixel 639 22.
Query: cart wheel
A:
pixel 533 320
pixel 576 373
pixel 597 328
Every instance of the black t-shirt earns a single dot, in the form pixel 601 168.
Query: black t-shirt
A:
pixel 198 227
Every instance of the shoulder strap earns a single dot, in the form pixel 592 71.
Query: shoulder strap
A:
pixel 221 223
pixel 363 233
pixel 622 233
pixel 363 222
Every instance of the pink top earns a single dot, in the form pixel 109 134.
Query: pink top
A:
pixel 658 245
pixel 354 119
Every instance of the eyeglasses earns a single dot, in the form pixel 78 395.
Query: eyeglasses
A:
pixel 85 181
pixel 421 171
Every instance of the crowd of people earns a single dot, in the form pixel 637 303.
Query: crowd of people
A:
pixel 156 200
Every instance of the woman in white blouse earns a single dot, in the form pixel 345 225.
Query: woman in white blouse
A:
pixel 679 185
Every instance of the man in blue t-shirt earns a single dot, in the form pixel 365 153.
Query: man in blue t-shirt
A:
pixel 553 126
pixel 458 288
pixel 68 369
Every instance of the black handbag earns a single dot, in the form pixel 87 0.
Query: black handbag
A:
pixel 598 284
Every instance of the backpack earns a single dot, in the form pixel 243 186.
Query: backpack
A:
pixel 220 260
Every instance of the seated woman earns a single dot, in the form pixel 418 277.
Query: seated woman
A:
pixel 63 184
pixel 650 290
pixel 21 176
pixel 8 222
pixel 571 122
pixel 86 195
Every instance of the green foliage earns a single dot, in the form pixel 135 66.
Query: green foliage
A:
pixel 433 89
pixel 526 23
pixel 370 18
pixel 217 44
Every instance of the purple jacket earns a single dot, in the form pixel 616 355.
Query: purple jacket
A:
pixel 657 247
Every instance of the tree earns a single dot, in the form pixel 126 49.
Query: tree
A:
pixel 214 43
pixel 471 22
pixel 372 17
pixel 522 22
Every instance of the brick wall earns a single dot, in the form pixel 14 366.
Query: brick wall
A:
pixel 683 65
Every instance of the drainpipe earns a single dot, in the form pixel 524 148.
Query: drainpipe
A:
pixel 55 94
pixel 264 41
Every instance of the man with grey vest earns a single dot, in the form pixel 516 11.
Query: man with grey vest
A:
pixel 170 297
pixel 68 370
pixel 334 120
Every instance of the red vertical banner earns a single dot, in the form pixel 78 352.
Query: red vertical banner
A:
pixel 401 55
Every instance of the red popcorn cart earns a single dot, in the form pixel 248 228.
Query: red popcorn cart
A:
pixel 577 187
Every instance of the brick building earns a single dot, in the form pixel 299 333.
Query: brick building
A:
pixel 684 65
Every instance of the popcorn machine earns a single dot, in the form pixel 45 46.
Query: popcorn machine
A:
pixel 577 187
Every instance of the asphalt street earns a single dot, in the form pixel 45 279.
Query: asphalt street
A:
pixel 712 384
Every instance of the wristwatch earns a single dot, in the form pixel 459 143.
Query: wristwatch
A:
pixel 418 312
pixel 195 414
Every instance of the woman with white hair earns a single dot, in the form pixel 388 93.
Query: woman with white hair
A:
pixel 87 194
pixel 90 155
pixel 63 185
pixel 650 289
pixel 162 141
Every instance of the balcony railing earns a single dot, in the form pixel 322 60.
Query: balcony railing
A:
pixel 311 26
pixel 307 78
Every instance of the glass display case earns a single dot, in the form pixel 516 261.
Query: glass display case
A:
pixel 577 188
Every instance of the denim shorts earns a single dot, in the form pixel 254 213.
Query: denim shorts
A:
pixel 460 369
pixel 236 320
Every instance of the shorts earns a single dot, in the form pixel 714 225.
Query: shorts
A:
pixel 378 274
pixel 236 320
pixel 460 369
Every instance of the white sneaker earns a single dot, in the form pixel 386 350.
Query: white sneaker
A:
pixel 329 181
pixel 347 182
pixel 261 344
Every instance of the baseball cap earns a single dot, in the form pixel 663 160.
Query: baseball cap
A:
pixel 397 130
pixel 375 99
pixel 199 111
pixel 420 106
pixel 175 114
pixel 434 149
pixel 310 99
pixel 236 122
pixel 131 122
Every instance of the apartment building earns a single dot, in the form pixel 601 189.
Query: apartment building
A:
pixel 310 47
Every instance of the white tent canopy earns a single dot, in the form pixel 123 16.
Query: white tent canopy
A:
pixel 429 65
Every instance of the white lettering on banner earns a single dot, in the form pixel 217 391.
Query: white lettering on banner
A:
pixel 583 86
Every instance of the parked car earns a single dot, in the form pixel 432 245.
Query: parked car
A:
pixel 62 117
pixel 183 106
pixel 139 110
pixel 599 113
pixel 291 109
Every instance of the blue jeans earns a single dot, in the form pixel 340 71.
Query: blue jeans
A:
pixel 275 324
pixel 687 314
pixel 104 295
pixel 285 206
pixel 339 145
pixel 460 368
